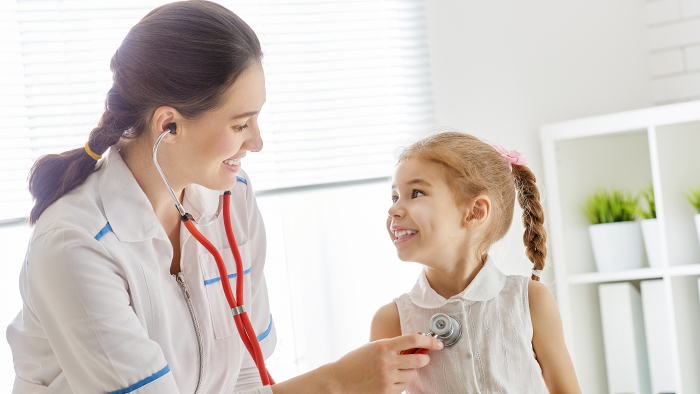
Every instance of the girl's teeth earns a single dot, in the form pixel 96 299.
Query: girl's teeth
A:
pixel 404 233
pixel 232 162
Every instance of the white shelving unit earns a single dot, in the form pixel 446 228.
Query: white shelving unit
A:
pixel 628 150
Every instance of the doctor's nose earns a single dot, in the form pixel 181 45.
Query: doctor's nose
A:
pixel 254 143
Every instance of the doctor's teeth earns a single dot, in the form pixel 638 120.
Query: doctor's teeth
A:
pixel 232 162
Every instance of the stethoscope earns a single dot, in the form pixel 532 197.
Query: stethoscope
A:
pixel 443 327
pixel 240 316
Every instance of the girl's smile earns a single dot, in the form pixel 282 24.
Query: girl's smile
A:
pixel 424 221
pixel 402 234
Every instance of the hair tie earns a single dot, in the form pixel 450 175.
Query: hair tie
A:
pixel 511 156
pixel 537 273
pixel 91 153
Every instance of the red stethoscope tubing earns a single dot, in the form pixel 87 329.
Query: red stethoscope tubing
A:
pixel 415 351
pixel 245 328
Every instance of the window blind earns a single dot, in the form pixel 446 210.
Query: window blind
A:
pixel 346 82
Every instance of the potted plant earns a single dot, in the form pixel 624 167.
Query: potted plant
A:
pixel 650 227
pixel 615 235
pixel 694 199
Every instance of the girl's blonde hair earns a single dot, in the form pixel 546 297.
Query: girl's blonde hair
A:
pixel 475 168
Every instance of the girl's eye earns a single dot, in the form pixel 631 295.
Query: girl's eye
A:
pixel 417 193
pixel 394 199
pixel 241 128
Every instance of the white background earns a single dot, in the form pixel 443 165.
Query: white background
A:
pixel 499 70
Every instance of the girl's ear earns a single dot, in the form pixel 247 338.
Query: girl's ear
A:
pixel 478 212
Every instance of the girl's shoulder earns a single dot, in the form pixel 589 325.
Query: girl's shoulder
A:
pixel 543 306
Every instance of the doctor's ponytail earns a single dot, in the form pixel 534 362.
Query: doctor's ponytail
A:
pixel 185 55
pixel 54 175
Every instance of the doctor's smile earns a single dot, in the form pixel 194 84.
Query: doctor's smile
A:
pixel 234 164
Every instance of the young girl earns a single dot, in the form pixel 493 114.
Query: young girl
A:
pixel 453 197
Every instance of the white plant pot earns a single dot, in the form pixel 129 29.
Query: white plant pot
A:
pixel 617 246
pixel 652 241
pixel 697 225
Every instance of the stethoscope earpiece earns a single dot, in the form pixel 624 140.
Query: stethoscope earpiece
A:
pixel 172 127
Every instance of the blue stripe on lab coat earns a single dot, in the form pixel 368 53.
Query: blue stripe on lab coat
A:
pixel 143 382
pixel 230 276
pixel 267 332
pixel 107 228
pixel 239 179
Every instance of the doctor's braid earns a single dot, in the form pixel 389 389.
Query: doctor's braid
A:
pixel 535 237
pixel 54 175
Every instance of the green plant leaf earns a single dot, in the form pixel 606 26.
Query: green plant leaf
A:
pixel 693 197
pixel 610 206
pixel 648 211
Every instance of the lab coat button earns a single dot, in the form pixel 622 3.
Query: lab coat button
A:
pixel 469 356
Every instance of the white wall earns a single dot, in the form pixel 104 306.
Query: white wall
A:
pixel 674 44
pixel 503 68
pixel 13 244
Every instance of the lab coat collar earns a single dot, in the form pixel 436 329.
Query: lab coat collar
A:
pixel 485 286
pixel 126 206
pixel 201 202
pixel 128 210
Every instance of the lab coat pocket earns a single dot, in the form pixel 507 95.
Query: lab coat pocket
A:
pixel 220 311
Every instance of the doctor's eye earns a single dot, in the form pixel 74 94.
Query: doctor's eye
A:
pixel 394 199
pixel 241 128
pixel 416 193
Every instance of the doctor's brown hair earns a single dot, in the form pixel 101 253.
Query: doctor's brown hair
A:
pixel 474 168
pixel 185 55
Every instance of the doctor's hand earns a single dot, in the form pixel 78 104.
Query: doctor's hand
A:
pixel 379 367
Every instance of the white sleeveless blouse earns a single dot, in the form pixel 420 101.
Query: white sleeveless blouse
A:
pixel 494 353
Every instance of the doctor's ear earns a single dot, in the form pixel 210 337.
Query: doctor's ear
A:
pixel 478 212
pixel 165 118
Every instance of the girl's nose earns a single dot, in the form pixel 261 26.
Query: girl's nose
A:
pixel 395 211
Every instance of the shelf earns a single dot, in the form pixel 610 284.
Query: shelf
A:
pixel 629 151
pixel 678 173
pixel 684 270
pixel 637 274
pixel 617 276
pixel 603 168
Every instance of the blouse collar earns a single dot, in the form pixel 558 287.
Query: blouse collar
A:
pixel 485 286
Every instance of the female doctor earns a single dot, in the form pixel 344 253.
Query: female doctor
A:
pixel 118 296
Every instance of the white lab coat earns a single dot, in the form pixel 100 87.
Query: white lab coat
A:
pixel 103 314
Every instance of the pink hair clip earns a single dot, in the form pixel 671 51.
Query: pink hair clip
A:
pixel 511 156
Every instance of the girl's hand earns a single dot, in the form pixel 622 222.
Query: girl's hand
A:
pixel 379 367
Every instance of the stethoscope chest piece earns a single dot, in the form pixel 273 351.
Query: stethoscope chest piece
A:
pixel 446 328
